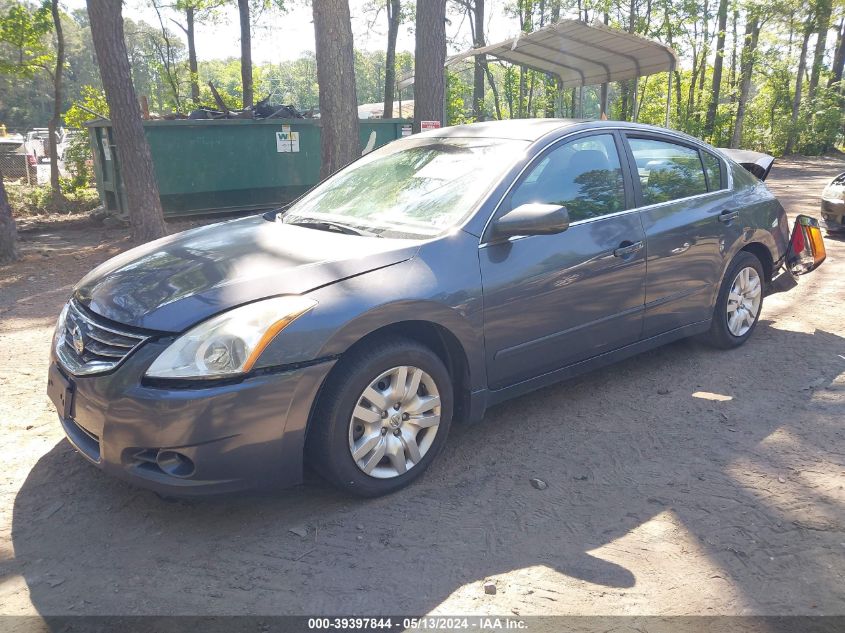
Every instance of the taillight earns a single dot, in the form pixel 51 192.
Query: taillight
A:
pixel 806 246
pixel 31 160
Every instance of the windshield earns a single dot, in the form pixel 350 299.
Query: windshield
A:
pixel 413 188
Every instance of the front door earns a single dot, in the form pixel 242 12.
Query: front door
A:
pixel 554 300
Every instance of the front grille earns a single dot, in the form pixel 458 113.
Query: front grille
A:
pixel 88 346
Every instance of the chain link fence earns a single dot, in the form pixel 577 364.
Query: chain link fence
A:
pixel 19 168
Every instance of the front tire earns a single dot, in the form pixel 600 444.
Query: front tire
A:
pixel 382 417
pixel 738 304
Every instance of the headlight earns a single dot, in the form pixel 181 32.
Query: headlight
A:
pixel 229 343
pixel 59 332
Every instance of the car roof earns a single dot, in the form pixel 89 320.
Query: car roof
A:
pixel 535 129
pixel 517 129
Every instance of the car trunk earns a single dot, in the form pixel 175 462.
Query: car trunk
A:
pixel 757 163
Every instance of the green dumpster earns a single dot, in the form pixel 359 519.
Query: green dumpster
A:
pixel 226 165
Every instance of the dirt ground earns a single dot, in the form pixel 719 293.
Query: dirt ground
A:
pixel 683 481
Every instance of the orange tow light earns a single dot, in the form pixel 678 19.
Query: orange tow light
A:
pixel 806 246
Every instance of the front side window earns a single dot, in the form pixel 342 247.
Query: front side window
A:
pixel 667 171
pixel 583 175
pixel 412 188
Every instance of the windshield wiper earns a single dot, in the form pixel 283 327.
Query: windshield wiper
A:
pixel 334 227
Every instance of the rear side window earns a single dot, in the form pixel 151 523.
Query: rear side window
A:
pixel 667 171
pixel 713 169
pixel 583 175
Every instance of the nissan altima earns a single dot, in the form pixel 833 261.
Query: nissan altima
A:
pixel 425 282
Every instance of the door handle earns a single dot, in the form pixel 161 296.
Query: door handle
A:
pixel 727 217
pixel 627 248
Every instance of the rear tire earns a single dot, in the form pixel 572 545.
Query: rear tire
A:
pixel 377 445
pixel 738 304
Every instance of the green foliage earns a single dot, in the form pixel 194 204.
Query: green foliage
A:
pixel 78 164
pixel 36 200
pixel 159 66
pixel 28 103
pixel 158 57
pixel 294 82
pixel 92 98
pixel 458 99
pixel 25 48
pixel 78 152
pixel 823 124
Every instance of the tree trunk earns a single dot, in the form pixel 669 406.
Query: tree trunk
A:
pixel 604 86
pixel 520 106
pixel 430 55
pixel 752 34
pixel 8 230
pixel 529 107
pixel 509 90
pixel 623 100
pixel 632 28
pixel 192 55
pixel 799 84
pixel 246 51
pixel 678 105
pixel 823 24
pixel 57 98
pixel 733 55
pixel 339 143
pixel 705 52
pixel 839 66
pixel 394 16
pixel 636 114
pixel 710 120
pixel 480 62
pixel 145 216
pixel 692 84
pixel 838 58
pixel 551 88
pixel 496 103
pixel 167 58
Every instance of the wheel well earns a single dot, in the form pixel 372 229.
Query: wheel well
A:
pixel 443 343
pixel 439 340
pixel 764 255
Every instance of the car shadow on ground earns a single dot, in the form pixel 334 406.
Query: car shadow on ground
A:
pixel 639 470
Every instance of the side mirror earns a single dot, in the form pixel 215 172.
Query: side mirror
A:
pixel 532 219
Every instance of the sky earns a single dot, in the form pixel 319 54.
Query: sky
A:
pixel 279 38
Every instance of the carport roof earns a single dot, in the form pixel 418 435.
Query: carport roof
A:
pixel 579 54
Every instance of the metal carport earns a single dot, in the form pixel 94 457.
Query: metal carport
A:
pixel 580 54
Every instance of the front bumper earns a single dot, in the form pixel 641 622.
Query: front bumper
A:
pixel 833 215
pixel 229 437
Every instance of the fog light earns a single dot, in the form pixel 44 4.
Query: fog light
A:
pixel 175 464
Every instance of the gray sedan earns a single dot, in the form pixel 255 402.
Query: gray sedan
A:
pixel 425 282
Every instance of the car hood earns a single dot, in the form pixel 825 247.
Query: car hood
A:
pixel 172 283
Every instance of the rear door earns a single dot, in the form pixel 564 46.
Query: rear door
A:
pixel 553 300
pixel 690 222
